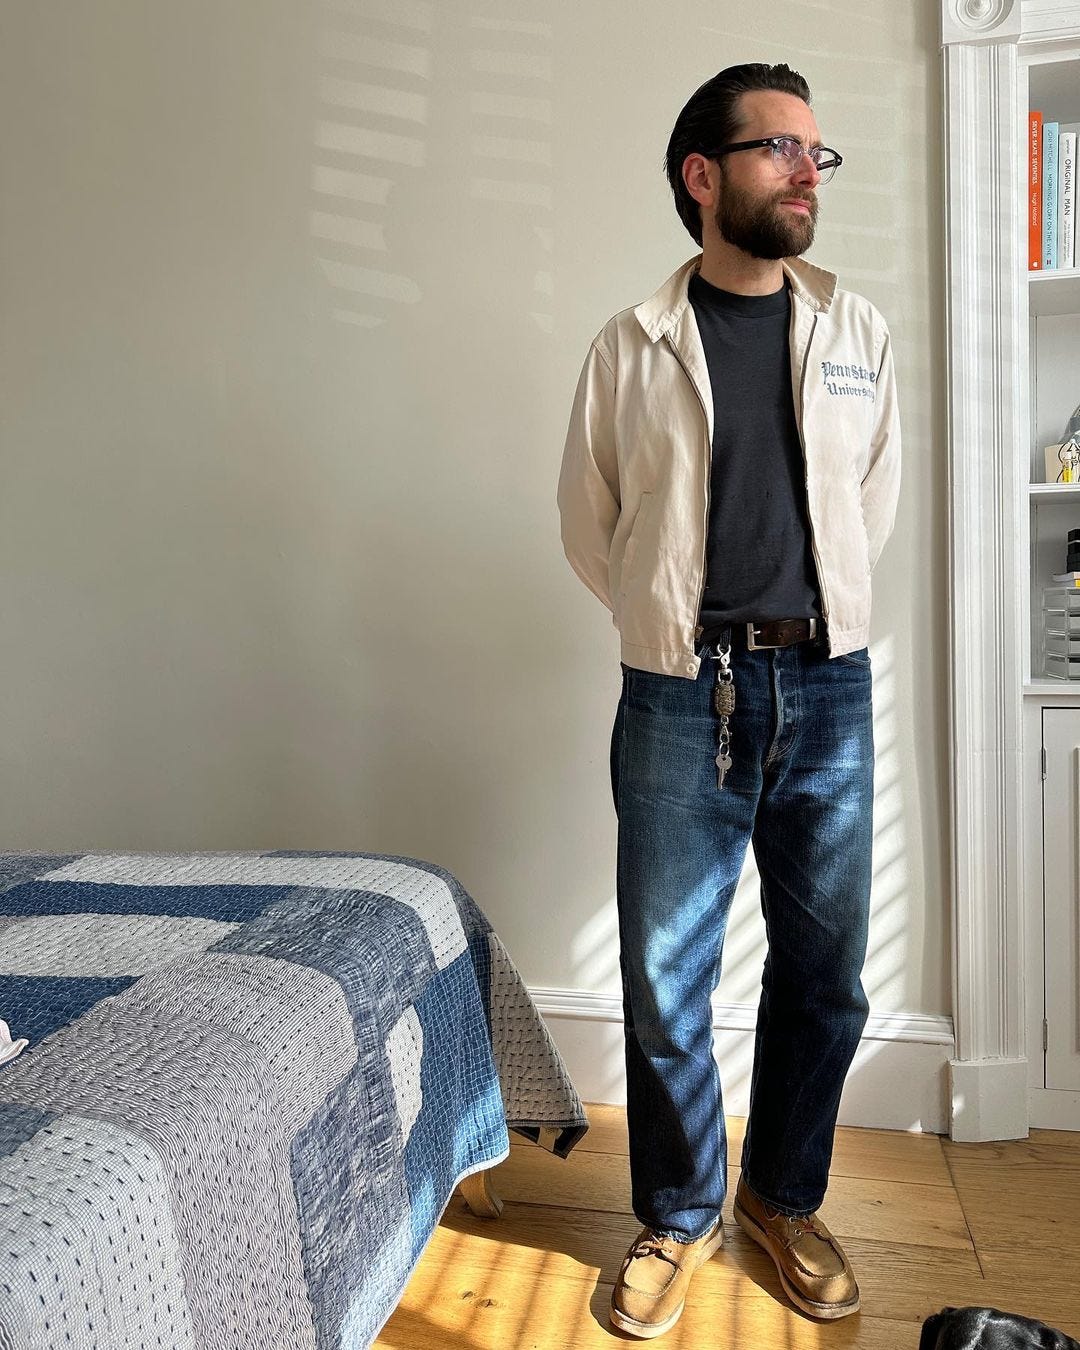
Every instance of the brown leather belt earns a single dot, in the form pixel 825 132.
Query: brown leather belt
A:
pixel 774 633
pixel 779 632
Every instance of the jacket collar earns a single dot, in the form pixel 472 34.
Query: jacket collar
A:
pixel 661 312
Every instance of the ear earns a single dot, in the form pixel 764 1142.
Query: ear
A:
pixel 702 179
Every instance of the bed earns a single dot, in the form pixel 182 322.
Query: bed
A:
pixel 252 1084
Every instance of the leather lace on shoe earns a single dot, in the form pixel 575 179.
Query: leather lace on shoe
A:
pixel 653 1244
pixel 800 1226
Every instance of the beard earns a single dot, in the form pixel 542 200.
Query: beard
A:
pixel 763 228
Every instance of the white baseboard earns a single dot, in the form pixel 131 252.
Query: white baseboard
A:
pixel 989 1099
pixel 898 1081
pixel 1054 1110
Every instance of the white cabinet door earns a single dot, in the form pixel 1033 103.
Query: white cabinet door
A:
pixel 1061 896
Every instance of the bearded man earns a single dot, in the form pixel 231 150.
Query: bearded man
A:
pixel 729 479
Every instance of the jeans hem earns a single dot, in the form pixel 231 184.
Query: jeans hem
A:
pixel 786 1210
pixel 678 1236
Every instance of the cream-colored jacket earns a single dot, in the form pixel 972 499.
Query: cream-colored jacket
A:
pixel 634 487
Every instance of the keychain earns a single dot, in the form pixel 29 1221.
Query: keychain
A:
pixel 724 703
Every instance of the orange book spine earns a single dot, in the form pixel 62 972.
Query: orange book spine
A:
pixel 1035 191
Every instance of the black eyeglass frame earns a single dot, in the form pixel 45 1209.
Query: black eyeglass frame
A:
pixel 773 143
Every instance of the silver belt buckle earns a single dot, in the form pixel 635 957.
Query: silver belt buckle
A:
pixel 753 646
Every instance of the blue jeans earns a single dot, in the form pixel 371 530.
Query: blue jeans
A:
pixel 800 788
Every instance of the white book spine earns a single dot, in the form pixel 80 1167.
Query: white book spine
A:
pixel 1067 203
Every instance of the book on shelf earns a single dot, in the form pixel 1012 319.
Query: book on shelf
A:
pixel 1050 196
pixel 1068 578
pixel 1035 207
pixel 1051 193
pixel 1066 194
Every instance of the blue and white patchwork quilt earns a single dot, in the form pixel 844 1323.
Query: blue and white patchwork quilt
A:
pixel 252 1083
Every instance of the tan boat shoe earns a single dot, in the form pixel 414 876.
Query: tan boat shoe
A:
pixel 811 1264
pixel 650 1292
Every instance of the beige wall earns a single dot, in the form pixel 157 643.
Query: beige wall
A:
pixel 294 297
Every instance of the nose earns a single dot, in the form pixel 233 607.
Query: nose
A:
pixel 806 171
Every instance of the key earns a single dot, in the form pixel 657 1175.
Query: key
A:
pixel 723 763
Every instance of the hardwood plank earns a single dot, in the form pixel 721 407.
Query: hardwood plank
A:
pixel 883 1155
pixel 888 1211
pixel 906 1282
pixel 750 1323
pixel 890 1155
pixel 1023 1192
pixel 1011 1156
pixel 899 1281
pixel 582 1181
pixel 578 1244
pixel 1060 1138
pixel 607 1130
pixel 753 1318
pixel 471 1307
pixel 1029 1283
pixel 479 1283
pixel 469 1311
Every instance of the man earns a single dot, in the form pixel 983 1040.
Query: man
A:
pixel 729 479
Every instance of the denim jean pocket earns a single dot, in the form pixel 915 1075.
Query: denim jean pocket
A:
pixel 856 658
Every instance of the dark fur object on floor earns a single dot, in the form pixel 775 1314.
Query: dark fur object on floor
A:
pixel 989 1329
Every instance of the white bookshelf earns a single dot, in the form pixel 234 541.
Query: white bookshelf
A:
pixel 1054 292
pixel 1053 691
pixel 1045 493
pixel 1048 80
pixel 1014 380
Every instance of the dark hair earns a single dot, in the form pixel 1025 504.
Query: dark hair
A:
pixel 711 118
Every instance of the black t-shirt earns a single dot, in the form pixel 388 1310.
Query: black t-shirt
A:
pixel 759 556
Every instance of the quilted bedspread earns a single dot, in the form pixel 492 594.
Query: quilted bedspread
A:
pixel 252 1084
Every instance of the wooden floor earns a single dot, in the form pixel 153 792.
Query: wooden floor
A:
pixel 926 1223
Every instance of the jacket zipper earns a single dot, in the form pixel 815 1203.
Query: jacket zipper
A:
pixel 806 466
pixel 708 475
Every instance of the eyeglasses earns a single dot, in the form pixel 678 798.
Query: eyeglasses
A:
pixel 787 154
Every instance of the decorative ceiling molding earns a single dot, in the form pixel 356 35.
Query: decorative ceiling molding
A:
pixel 980 21
pixel 975 22
pixel 1047 19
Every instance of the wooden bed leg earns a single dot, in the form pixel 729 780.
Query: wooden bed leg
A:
pixel 479 1196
